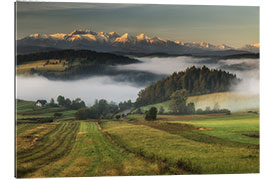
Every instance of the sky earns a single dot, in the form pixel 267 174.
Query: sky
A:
pixel 231 25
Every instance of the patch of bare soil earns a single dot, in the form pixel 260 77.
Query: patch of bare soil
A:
pixel 204 129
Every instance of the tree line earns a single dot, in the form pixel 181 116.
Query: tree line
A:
pixel 86 57
pixel 195 81
pixel 179 106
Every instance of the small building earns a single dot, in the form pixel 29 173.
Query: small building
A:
pixel 40 103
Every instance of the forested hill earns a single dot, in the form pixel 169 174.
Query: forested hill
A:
pixel 195 80
pixel 84 55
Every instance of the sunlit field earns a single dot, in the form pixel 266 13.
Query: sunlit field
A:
pixel 173 144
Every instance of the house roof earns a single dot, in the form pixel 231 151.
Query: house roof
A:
pixel 42 102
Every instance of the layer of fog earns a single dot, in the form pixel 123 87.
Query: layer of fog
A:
pixel 113 89
pixel 90 89
pixel 245 69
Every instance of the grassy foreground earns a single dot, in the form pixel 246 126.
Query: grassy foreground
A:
pixel 186 144
pixel 198 144
pixel 74 149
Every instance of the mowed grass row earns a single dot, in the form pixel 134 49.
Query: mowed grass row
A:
pixel 48 148
pixel 195 156
pixel 69 150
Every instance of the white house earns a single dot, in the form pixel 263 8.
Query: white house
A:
pixel 40 103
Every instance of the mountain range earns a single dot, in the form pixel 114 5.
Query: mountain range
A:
pixel 113 42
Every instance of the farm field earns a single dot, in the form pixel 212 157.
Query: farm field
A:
pixel 67 149
pixel 207 144
pixel 198 144
pixel 26 111
pixel 42 65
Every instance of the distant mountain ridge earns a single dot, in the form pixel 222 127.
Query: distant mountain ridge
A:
pixel 112 41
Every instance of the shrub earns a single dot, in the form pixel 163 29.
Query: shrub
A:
pixel 57 114
pixel 151 114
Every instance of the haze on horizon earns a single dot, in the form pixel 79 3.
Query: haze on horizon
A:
pixel 230 25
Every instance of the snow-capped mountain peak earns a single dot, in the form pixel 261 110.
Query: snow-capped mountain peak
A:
pixel 125 38
pixel 112 41
pixel 179 42
pixel 224 47
pixel 255 47
pixel 38 36
pixel 142 37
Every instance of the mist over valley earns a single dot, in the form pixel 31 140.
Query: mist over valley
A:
pixel 125 81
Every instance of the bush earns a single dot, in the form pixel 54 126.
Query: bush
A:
pixel 57 114
pixel 161 110
pixel 151 114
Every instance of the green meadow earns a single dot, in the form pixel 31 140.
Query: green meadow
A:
pixel 173 144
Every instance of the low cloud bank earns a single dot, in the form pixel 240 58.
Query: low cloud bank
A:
pixel 120 88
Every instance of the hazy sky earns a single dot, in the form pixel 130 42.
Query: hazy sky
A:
pixel 234 26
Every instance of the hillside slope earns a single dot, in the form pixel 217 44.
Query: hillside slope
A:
pixel 234 101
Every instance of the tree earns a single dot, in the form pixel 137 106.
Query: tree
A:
pixel 77 104
pixel 67 103
pixel 61 100
pixel 82 114
pixel 199 111
pixel 151 114
pixel 161 110
pixel 52 103
pixel 207 109
pixel 191 108
pixel 216 107
pixel 178 101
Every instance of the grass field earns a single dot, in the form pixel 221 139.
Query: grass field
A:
pixel 173 144
pixel 69 149
pixel 208 145
pixel 54 65
pixel 27 110
pixel 233 101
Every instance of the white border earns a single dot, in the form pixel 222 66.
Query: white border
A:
pixel 7 86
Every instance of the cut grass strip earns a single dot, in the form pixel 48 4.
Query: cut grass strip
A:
pixel 94 155
pixel 193 155
pixel 62 146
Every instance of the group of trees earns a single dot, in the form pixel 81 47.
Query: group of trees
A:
pixel 101 109
pixel 196 81
pixel 67 103
pixel 126 105
pixel 216 109
pixel 178 103
pixel 85 57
